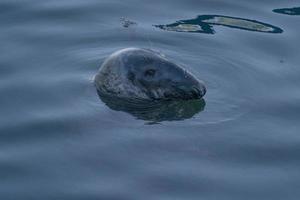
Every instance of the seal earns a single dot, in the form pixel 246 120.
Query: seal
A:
pixel 135 73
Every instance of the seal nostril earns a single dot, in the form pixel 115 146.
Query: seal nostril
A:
pixel 204 91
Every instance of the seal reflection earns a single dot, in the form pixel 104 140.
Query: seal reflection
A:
pixel 155 111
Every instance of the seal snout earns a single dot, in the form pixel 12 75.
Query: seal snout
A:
pixel 195 91
pixel 188 86
pixel 198 91
pixel 201 88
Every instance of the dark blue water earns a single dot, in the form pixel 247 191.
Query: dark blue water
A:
pixel 59 141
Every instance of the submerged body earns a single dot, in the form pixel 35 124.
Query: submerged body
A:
pixel 136 73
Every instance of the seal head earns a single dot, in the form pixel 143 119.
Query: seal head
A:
pixel 136 73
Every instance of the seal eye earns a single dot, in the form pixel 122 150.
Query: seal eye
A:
pixel 149 72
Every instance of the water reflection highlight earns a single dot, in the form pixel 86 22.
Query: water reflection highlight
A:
pixel 204 24
pixel 288 11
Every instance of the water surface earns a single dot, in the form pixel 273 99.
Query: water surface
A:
pixel 59 140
